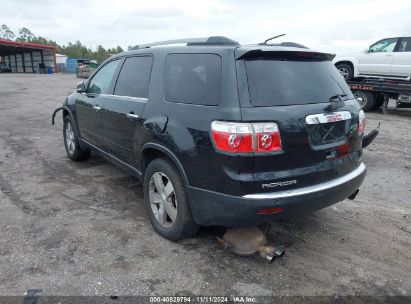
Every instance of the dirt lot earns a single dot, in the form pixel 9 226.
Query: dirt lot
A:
pixel 79 228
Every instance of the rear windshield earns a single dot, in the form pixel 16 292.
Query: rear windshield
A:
pixel 282 82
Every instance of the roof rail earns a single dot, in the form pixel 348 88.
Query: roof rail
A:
pixel 213 40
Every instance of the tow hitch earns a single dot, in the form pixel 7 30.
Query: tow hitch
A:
pixel 368 139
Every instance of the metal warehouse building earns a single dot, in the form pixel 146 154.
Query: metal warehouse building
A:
pixel 26 57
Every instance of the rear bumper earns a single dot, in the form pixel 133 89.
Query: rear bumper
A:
pixel 212 208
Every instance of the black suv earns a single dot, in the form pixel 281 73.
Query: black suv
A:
pixel 220 133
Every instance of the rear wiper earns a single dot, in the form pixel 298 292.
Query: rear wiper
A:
pixel 339 96
pixel 335 104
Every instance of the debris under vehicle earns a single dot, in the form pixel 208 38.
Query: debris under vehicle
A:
pixel 247 241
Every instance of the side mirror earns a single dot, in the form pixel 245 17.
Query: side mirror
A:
pixel 81 87
pixel 370 51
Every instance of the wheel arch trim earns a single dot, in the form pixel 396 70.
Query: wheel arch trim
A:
pixel 70 112
pixel 167 152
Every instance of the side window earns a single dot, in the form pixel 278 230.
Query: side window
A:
pixel 100 82
pixel 385 45
pixel 193 79
pixel 405 45
pixel 134 77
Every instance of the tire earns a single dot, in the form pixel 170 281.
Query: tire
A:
pixel 346 71
pixel 378 102
pixel 177 222
pixel 369 99
pixel 71 143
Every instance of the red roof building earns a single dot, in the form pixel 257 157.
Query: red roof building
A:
pixel 25 57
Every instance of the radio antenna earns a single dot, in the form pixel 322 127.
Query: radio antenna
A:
pixel 265 42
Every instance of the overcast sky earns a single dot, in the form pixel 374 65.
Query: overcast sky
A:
pixel 329 25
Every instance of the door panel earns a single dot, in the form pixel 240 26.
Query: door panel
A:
pixel 401 64
pixel 121 124
pixel 122 110
pixel 375 63
pixel 378 60
pixel 88 109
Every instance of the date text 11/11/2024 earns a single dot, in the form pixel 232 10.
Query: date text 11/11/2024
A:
pixel 203 299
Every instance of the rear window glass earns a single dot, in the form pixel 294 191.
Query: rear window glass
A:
pixel 193 79
pixel 134 77
pixel 282 82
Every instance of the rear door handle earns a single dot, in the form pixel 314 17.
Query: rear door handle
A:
pixel 132 116
pixel 388 55
pixel 97 108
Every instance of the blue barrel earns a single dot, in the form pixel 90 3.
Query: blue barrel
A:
pixel 49 70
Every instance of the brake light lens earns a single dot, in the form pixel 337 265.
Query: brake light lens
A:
pixel 246 137
pixel 233 137
pixel 267 137
pixel 361 122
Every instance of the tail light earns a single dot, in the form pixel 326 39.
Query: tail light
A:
pixel 361 122
pixel 246 137
pixel 267 137
pixel 233 137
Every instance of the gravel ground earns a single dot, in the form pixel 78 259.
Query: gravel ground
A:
pixel 79 228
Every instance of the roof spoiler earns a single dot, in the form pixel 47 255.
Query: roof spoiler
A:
pixel 288 43
pixel 287 55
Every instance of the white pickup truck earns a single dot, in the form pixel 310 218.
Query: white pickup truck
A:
pixel 389 58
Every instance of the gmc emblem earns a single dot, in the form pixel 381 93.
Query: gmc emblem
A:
pixel 334 117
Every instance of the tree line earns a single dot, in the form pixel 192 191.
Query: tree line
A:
pixel 71 50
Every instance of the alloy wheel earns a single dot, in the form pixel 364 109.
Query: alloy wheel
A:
pixel 344 72
pixel 71 146
pixel 162 199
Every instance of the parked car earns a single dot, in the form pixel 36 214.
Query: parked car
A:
pixel 4 68
pixel 388 58
pixel 220 133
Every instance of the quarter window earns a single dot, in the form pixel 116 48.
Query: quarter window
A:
pixel 134 77
pixel 193 79
pixel 100 82
pixel 385 45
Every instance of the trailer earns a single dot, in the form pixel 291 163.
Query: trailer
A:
pixel 374 93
